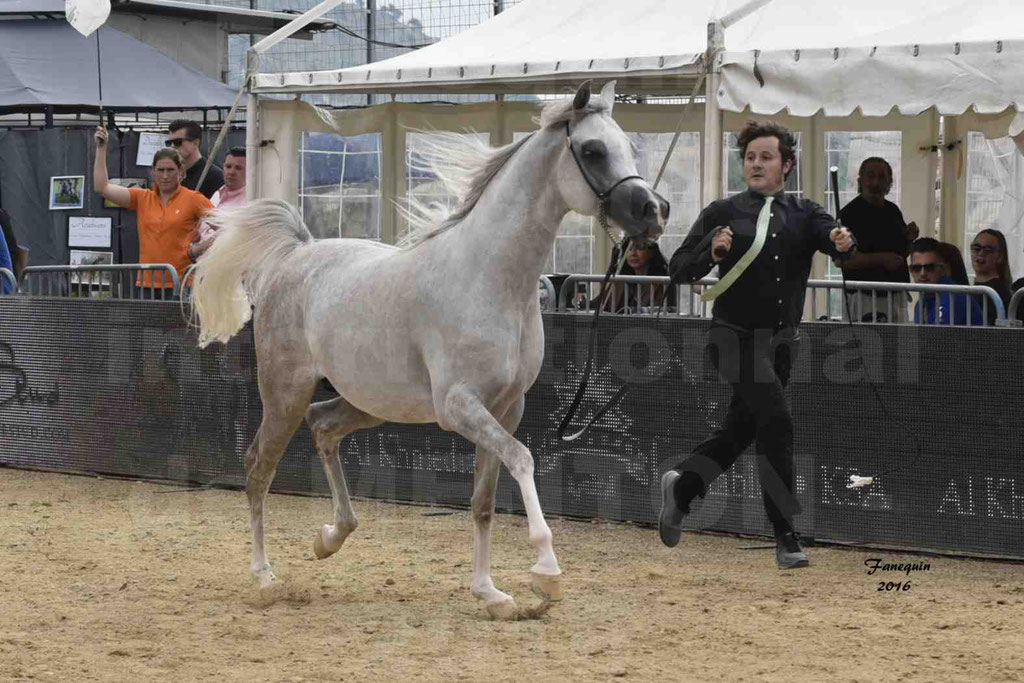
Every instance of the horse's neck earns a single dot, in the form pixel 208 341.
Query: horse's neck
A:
pixel 512 228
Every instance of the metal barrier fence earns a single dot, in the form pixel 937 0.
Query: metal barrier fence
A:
pixel 1014 312
pixel 547 294
pixel 8 277
pixel 112 281
pixel 637 294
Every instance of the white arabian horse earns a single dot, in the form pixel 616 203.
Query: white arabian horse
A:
pixel 445 328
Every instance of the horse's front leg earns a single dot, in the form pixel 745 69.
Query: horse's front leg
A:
pixel 487 467
pixel 463 412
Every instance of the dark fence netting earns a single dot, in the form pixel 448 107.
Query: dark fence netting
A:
pixel 121 388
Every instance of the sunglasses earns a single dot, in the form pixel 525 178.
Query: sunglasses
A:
pixel 176 142
pixel 983 249
pixel 926 267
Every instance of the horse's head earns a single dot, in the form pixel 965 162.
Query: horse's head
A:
pixel 597 173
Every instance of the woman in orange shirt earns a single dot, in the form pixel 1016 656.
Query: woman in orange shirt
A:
pixel 167 215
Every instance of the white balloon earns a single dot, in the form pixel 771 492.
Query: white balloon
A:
pixel 85 16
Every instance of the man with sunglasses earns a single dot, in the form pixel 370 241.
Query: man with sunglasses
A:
pixel 185 136
pixel 927 267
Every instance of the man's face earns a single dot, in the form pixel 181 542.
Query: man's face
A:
pixel 875 181
pixel 926 267
pixel 763 169
pixel 234 172
pixel 186 146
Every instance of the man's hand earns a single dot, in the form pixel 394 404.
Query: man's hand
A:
pixel 911 231
pixel 721 243
pixel 842 238
pixel 101 136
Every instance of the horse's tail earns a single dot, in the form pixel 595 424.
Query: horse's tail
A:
pixel 251 242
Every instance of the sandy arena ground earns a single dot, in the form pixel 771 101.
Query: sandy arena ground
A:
pixel 125 581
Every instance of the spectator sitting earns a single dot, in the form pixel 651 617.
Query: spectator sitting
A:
pixel 991 263
pixel 5 262
pixel 882 242
pixel 18 254
pixel 186 137
pixel 950 254
pixel 231 194
pixel 928 266
pixel 642 258
pixel 164 236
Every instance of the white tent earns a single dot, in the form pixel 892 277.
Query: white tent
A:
pixel 818 66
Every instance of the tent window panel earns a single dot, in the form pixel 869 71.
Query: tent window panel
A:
pixel 681 183
pixel 421 183
pixel 732 175
pixel 847 150
pixel 322 216
pixel 995 194
pixel 339 184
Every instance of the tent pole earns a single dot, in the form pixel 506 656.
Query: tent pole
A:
pixel 252 148
pixel 711 188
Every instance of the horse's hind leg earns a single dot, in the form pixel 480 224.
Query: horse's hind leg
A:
pixel 487 467
pixel 284 402
pixel 330 421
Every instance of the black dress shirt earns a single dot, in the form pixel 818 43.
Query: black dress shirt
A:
pixel 770 293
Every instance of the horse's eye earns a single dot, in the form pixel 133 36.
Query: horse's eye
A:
pixel 594 149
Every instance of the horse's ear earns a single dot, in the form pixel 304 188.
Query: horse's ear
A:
pixel 582 96
pixel 608 94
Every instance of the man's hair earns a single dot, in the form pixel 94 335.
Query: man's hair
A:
pixel 925 244
pixel 192 128
pixel 169 153
pixel 874 160
pixel 769 129
pixel 236 152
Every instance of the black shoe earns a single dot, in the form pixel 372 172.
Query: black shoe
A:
pixel 670 521
pixel 788 552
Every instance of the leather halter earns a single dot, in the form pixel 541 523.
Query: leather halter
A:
pixel 602 196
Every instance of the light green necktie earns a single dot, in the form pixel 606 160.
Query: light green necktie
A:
pixel 762 233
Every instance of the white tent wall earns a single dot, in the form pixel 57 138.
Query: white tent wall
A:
pixel 284 122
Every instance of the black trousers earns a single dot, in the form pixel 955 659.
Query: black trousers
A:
pixel 757 364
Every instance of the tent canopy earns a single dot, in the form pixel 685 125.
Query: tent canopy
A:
pixel 811 55
pixel 47 63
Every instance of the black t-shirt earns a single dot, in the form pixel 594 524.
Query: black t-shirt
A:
pixel 1002 289
pixel 877 229
pixel 213 181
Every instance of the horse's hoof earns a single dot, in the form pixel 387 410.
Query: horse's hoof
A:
pixel 319 549
pixel 504 610
pixel 547 587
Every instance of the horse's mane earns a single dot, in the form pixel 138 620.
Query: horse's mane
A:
pixel 465 165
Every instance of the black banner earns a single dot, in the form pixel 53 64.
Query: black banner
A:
pixel 121 388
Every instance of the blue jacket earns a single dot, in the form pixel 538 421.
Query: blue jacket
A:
pixel 5 262
pixel 960 303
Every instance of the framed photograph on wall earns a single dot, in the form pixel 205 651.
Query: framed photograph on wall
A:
pixel 67 192
pixel 91 258
pixel 124 182
pixel 89 231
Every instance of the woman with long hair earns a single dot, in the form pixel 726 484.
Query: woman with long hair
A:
pixel 991 262
pixel 642 258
